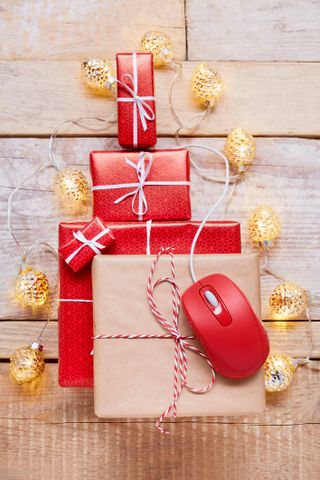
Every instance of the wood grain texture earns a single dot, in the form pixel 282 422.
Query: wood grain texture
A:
pixel 284 176
pixel 58 30
pixel 237 30
pixel 288 337
pixel 43 429
pixel 266 98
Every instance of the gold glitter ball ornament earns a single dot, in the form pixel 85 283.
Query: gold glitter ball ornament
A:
pixel 288 300
pixel 32 288
pixel 27 364
pixel 98 73
pixel 278 372
pixel 240 149
pixel 206 84
pixel 160 45
pixel 71 186
pixel 264 226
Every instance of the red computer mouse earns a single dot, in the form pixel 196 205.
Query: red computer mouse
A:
pixel 226 325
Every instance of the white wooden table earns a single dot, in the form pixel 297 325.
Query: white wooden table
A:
pixel 268 56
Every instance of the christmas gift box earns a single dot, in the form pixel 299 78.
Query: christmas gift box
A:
pixel 131 186
pixel 133 376
pixel 87 242
pixel 75 308
pixel 136 101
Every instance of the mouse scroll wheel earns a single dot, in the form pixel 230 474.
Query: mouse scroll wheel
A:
pixel 212 299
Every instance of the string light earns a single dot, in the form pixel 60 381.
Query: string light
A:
pixel 160 45
pixel 98 74
pixel 240 149
pixel 32 288
pixel 206 84
pixel 71 188
pixel 27 363
pixel 288 301
pixel 264 227
pixel 278 372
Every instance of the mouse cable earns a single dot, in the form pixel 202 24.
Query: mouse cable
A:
pixel 214 206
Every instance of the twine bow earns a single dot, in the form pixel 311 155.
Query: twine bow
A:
pixel 86 242
pixel 181 342
pixel 140 106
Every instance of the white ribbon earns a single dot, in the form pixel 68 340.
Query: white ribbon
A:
pixel 130 84
pixel 142 171
pixel 91 243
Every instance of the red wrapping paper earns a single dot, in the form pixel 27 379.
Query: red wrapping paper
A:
pixel 75 314
pixel 76 254
pixel 163 202
pixel 131 133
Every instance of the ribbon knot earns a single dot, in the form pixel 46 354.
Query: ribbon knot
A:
pixel 142 172
pixel 182 342
pixel 140 106
pixel 86 242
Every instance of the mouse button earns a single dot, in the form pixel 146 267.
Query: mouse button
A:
pixel 216 305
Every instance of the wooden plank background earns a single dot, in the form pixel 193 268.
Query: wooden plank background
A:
pixel 268 56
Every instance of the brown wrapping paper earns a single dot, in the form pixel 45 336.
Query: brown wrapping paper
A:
pixel 134 378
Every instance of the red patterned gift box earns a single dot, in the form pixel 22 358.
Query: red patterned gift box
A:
pixel 85 244
pixel 131 186
pixel 136 101
pixel 75 310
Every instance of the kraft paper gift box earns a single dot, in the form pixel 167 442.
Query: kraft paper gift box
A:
pixel 134 377
pixel 136 101
pixel 132 186
pixel 75 292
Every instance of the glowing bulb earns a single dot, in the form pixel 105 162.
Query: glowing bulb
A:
pixel 240 149
pixel 278 372
pixel 288 301
pixel 71 188
pixel 263 227
pixel 206 84
pixel 160 45
pixel 98 74
pixel 27 364
pixel 32 288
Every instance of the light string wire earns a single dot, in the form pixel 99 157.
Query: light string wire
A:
pixel 58 165
pixel 176 67
pixel 298 361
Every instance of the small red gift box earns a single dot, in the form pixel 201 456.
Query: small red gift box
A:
pixel 141 185
pixel 85 244
pixel 75 309
pixel 136 101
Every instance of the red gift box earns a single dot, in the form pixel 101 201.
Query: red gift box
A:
pixel 136 101
pixel 75 310
pixel 85 244
pixel 141 185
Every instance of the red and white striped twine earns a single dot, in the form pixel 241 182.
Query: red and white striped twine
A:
pixel 181 341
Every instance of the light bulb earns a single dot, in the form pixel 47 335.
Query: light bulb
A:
pixel 206 84
pixel 160 45
pixel 98 74
pixel 71 188
pixel 32 288
pixel 264 226
pixel 278 372
pixel 240 149
pixel 288 301
pixel 27 364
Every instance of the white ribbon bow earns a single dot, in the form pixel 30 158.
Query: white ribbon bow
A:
pixel 142 174
pixel 130 84
pixel 91 243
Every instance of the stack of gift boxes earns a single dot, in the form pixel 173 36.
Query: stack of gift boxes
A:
pixel 141 203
